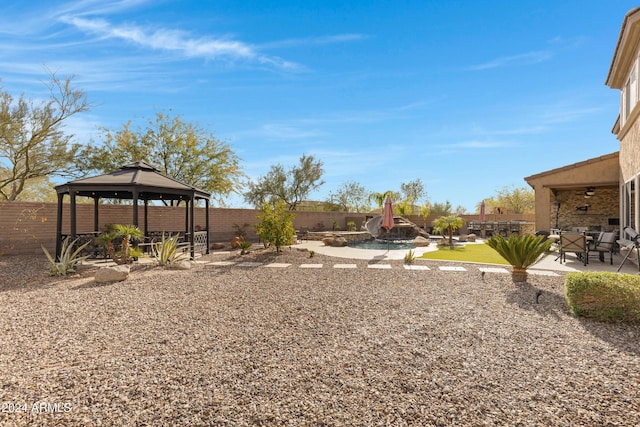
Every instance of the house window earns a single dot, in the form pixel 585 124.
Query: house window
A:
pixel 630 205
pixel 633 90
pixel 627 100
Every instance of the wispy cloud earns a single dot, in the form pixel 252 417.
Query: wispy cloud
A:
pixel 481 144
pixel 315 41
pixel 177 41
pixel 515 60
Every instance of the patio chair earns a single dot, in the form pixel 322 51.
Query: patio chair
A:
pixel 571 241
pixel 605 243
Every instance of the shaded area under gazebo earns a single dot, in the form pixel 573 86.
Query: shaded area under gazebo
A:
pixel 136 181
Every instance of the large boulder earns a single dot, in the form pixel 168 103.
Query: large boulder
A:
pixel 216 246
pixel 116 273
pixel 184 264
pixel 328 241
pixel 339 242
pixel 421 241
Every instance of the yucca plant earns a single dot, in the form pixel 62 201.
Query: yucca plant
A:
pixel 69 258
pixel 521 252
pixel 409 257
pixel 168 250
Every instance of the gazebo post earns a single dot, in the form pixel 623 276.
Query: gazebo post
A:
pixel 59 227
pixel 135 207
pixel 146 217
pixel 186 217
pixel 72 195
pixel 206 222
pixel 192 214
pixel 96 223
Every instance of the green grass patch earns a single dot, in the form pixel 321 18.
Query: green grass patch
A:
pixel 481 253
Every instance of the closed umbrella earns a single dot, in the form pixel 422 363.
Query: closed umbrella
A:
pixel 387 215
pixel 482 213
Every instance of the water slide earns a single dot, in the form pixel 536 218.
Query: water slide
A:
pixel 373 226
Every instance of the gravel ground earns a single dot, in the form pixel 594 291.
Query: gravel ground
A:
pixel 291 346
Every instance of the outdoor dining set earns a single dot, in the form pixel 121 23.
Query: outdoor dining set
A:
pixel 490 228
pixel 585 244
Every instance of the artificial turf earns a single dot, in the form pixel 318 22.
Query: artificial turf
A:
pixel 480 253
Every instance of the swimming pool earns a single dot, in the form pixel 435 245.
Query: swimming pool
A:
pixel 382 244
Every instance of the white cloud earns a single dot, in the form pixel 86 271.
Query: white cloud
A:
pixel 522 59
pixel 313 41
pixel 177 41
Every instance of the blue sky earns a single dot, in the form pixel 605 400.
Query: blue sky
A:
pixel 469 96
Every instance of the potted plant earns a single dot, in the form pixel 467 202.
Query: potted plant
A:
pixel 521 252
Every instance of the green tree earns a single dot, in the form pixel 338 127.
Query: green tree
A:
pixel 450 223
pixel 350 197
pixel 515 200
pixel 32 141
pixel 442 209
pixel 178 149
pixel 290 187
pixel 412 191
pixel 39 189
pixel 275 225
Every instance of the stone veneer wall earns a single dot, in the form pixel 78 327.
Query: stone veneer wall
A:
pixel 602 206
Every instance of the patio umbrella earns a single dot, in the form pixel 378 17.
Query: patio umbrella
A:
pixel 482 213
pixel 387 215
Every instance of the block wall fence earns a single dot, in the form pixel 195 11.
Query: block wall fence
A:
pixel 24 226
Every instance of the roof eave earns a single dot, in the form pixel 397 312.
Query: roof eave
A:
pixel 620 62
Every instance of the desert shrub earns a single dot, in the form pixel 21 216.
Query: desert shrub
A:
pixel 275 225
pixel 605 296
pixel 351 226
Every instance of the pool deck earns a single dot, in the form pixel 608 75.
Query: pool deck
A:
pixel 548 263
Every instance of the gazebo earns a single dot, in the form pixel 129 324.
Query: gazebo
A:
pixel 136 181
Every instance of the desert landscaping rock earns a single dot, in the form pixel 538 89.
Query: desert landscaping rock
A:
pixel 115 273
pixel 269 346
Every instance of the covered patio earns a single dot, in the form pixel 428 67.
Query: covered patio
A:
pixel 583 195
pixel 136 181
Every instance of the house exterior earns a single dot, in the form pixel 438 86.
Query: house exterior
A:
pixel 623 76
pixel 612 179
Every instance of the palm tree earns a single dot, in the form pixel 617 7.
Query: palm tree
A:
pixel 425 210
pixel 125 232
pixel 379 198
pixel 521 252
pixel 450 223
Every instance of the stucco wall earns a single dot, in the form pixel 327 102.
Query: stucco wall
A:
pixel 630 153
pixel 24 226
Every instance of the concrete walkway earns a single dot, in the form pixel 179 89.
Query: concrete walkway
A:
pixel 548 263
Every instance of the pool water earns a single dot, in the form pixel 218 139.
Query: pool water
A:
pixel 382 244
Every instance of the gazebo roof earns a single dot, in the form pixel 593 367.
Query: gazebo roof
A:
pixel 137 177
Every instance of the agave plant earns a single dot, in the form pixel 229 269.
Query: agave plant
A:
pixel 521 252
pixel 168 250
pixel 69 258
